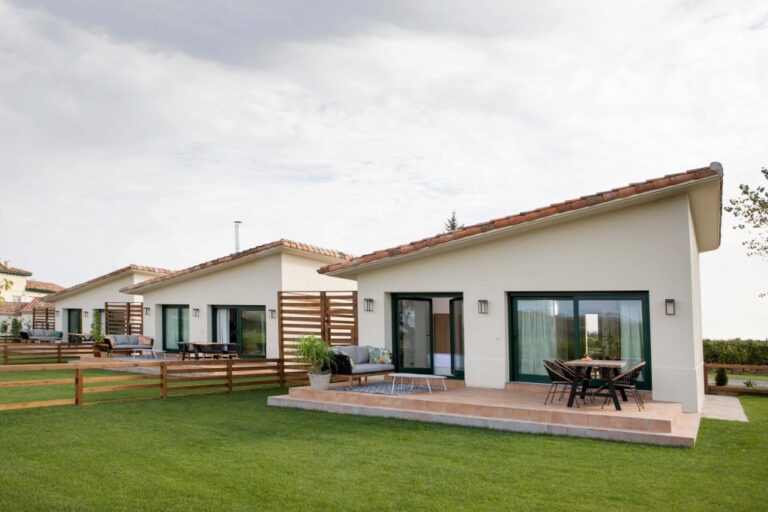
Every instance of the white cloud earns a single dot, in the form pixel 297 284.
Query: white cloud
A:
pixel 140 131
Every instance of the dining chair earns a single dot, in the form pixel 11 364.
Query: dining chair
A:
pixel 627 381
pixel 558 379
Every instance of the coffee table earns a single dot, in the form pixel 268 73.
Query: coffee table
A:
pixel 414 377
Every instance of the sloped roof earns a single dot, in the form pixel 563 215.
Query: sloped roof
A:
pixel 106 277
pixel 11 308
pixel 37 302
pixel 279 244
pixel 43 286
pixel 13 270
pixel 572 205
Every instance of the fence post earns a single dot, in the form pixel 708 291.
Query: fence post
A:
pixel 229 374
pixel 5 354
pixel 281 372
pixel 79 386
pixel 163 380
pixel 58 353
pixel 706 380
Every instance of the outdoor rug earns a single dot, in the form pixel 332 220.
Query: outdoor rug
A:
pixel 384 388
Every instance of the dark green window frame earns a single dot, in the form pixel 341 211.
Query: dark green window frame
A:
pixel 215 334
pixel 647 383
pixel 180 320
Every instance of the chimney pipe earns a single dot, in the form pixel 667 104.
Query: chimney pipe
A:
pixel 237 235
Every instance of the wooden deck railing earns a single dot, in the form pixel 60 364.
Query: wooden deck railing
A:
pixel 169 379
pixel 30 353
pixel 740 368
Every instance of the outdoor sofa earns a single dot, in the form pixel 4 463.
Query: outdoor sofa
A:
pixel 127 343
pixel 358 362
pixel 42 335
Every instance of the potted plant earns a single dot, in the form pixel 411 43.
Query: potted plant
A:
pixel 319 356
pixel 96 335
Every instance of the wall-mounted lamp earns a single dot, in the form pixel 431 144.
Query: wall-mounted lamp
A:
pixel 195 312
pixel 147 311
pixel 57 312
pixel 482 306
pixel 272 313
pixel 368 304
pixel 85 314
pixel 669 306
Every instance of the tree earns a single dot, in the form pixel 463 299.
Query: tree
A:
pixel 751 212
pixel 16 328
pixel 5 285
pixel 96 334
pixel 452 224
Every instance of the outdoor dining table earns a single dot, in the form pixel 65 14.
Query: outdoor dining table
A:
pixel 211 348
pixel 608 368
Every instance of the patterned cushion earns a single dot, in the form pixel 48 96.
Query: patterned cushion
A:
pixel 379 356
pixel 145 340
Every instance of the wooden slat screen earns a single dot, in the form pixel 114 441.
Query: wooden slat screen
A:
pixel 43 317
pixel 331 316
pixel 124 317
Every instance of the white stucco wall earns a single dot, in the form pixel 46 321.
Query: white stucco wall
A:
pixel 300 274
pixel 94 298
pixel 648 247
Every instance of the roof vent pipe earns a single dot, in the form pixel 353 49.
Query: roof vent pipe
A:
pixel 237 235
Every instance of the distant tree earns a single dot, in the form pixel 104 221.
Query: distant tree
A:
pixel 452 224
pixel 5 285
pixel 751 212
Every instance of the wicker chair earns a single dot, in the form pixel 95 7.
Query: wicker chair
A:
pixel 627 381
pixel 558 379
pixel 571 374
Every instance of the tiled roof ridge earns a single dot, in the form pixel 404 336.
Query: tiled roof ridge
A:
pixel 34 284
pixel 290 244
pixel 127 268
pixel 528 216
pixel 13 270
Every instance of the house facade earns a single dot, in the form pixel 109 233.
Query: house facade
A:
pixel 233 299
pixel 21 288
pixel 614 274
pixel 75 306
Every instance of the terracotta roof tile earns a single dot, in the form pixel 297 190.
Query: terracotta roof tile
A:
pixel 529 216
pixel 36 303
pixel 129 268
pixel 282 243
pixel 7 269
pixel 11 308
pixel 43 286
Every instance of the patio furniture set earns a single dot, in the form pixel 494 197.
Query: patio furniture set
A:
pixel 598 378
pixel 208 350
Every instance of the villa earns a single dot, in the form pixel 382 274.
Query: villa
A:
pixel 21 287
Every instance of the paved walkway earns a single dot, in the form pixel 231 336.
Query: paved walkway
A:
pixel 719 407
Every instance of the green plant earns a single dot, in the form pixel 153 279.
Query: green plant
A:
pixel 96 334
pixel 4 327
pixel 315 352
pixel 15 328
pixel 736 351
pixel 721 377
pixel 749 383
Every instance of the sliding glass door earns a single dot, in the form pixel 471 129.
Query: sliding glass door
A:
pixel 175 327
pixel 414 335
pixel 74 321
pixel 457 337
pixel 570 326
pixel 244 325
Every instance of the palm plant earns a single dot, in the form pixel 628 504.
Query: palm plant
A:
pixel 315 352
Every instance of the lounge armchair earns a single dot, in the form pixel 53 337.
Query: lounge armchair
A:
pixel 42 335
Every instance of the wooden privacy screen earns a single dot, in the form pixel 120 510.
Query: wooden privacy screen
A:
pixel 331 316
pixel 43 317
pixel 124 317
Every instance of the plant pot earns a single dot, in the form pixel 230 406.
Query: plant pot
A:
pixel 96 352
pixel 320 380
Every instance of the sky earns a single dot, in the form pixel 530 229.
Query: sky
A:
pixel 137 131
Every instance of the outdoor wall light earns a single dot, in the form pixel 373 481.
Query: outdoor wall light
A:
pixel 669 306
pixel 482 306
pixel 368 304
pixel 272 313
pixel 147 311
pixel 195 312
pixel 85 314
pixel 57 312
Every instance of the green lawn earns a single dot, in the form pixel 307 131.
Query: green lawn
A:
pixel 232 452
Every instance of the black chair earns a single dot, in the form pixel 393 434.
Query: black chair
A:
pixel 571 374
pixel 558 379
pixel 627 381
pixel 187 350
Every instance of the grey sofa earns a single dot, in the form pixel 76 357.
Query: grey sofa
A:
pixel 41 335
pixel 127 342
pixel 361 368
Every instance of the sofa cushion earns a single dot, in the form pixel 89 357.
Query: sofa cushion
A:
pixel 372 368
pixel 379 356
pixel 145 340
pixel 363 355
pixel 37 332
pixel 348 350
pixel 122 339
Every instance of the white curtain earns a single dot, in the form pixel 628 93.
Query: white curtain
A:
pixel 222 325
pixel 631 325
pixel 538 334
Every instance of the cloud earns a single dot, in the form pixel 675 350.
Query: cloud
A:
pixel 137 131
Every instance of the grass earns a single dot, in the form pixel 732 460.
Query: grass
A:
pixel 232 452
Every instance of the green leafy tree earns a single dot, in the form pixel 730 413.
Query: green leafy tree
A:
pixel 5 285
pixel 4 327
pixel 751 212
pixel 96 334
pixel 452 224
pixel 15 328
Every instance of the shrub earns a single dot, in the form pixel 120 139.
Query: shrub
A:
pixel 15 328
pixel 96 334
pixel 747 352
pixel 4 327
pixel 721 378
pixel 749 383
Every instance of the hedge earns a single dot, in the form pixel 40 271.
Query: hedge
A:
pixel 736 351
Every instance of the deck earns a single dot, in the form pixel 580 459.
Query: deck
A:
pixel 519 408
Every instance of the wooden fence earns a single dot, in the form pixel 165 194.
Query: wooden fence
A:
pixel 43 317
pixel 739 368
pixel 168 379
pixel 124 318
pixel 331 316
pixel 30 353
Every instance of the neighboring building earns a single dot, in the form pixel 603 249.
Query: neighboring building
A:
pixel 21 310
pixel 75 305
pixel 228 299
pixel 23 288
pixel 613 274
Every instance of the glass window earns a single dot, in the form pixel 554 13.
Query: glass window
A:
pixel 544 331
pixel 175 326
pixel 612 329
